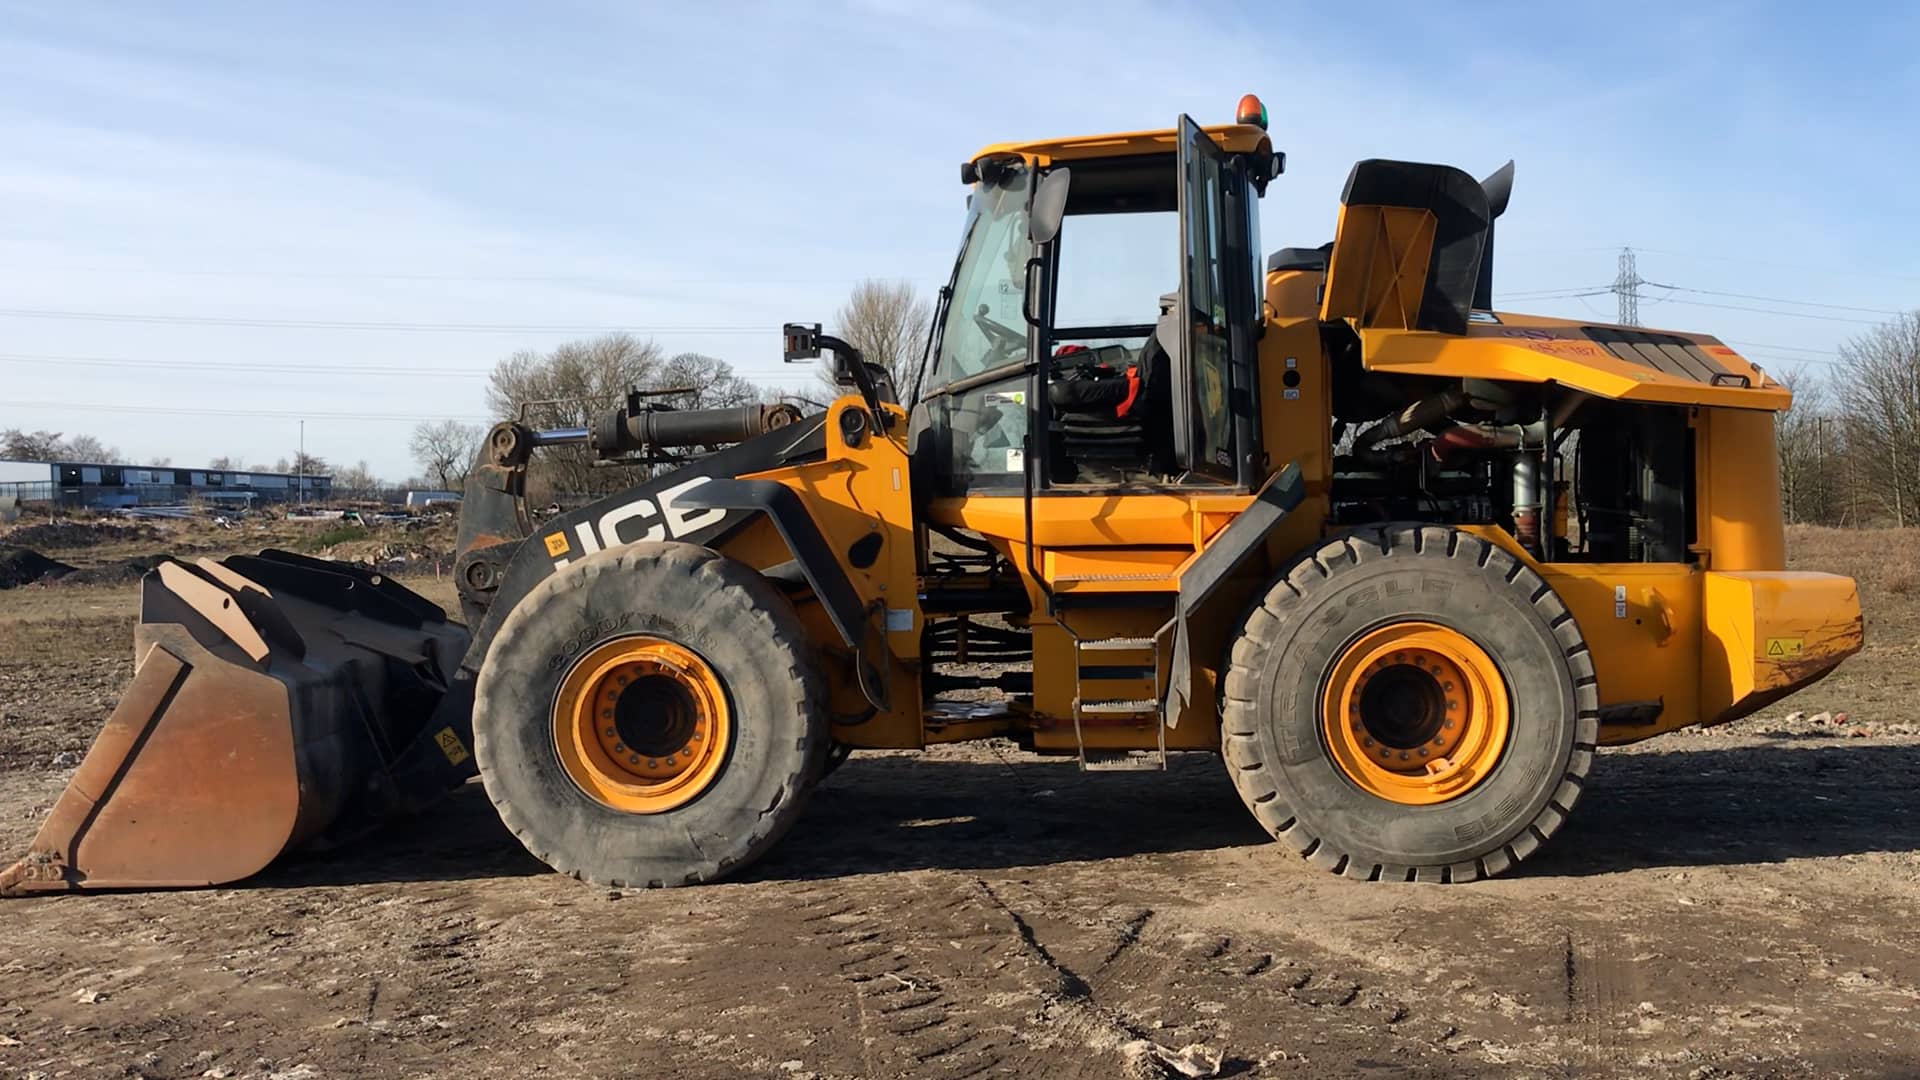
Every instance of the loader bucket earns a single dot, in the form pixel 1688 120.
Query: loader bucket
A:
pixel 277 701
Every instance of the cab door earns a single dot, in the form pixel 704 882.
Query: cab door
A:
pixel 1213 340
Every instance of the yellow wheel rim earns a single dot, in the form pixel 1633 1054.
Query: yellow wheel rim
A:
pixel 1415 713
pixel 641 724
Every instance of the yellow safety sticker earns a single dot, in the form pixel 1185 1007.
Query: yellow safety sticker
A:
pixel 1781 647
pixel 451 746
pixel 556 544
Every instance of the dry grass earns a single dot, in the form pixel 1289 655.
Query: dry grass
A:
pixel 1880 684
pixel 1881 560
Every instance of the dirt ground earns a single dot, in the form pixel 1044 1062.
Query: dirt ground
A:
pixel 1739 903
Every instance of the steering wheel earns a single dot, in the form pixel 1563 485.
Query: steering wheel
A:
pixel 1004 339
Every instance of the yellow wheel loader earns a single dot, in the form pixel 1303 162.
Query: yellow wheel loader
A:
pixel 1402 560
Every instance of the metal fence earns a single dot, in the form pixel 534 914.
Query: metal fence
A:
pixel 100 497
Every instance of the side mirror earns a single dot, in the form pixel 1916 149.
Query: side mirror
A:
pixel 1049 206
pixel 802 341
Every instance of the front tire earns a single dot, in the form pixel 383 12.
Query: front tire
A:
pixel 1410 703
pixel 650 716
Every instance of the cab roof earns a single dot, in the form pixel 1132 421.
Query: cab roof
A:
pixel 1233 138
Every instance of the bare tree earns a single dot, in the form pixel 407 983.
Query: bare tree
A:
pixel 887 321
pixel 1879 391
pixel 88 450
pixel 446 451
pixel 18 445
pixel 355 482
pixel 226 464
pixel 1809 444
pixel 710 382
pixel 305 464
pixel 568 387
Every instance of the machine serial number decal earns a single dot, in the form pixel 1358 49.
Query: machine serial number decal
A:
pixel 1562 347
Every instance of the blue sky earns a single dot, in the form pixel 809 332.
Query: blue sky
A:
pixel 713 170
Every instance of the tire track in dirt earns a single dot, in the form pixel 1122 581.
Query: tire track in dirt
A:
pixel 1149 978
pixel 928 978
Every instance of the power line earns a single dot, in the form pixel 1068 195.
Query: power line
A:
pixel 1793 360
pixel 1818 267
pixel 1557 294
pixel 766 376
pixel 325 370
pixel 373 275
pixel 318 275
pixel 327 324
pixel 1776 299
pixel 279 414
pixel 1529 252
pixel 1783 348
pixel 1771 311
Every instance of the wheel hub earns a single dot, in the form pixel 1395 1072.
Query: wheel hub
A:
pixel 1415 713
pixel 641 724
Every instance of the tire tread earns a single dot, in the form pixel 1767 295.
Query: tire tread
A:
pixel 1240 721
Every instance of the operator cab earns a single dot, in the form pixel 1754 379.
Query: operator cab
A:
pixel 1098 330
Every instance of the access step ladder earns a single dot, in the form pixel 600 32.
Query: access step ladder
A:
pixel 1117 683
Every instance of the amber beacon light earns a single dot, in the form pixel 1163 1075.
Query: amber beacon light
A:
pixel 1251 111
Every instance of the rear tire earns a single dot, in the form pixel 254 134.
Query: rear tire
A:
pixel 710 614
pixel 1316 660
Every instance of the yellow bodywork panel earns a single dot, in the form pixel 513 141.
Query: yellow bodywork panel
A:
pixel 1233 138
pixel 1768 633
pixel 1296 405
pixel 1737 511
pixel 1384 286
pixel 1531 348
pixel 857 491
pixel 1114 569
pixel 1149 519
pixel 1705 646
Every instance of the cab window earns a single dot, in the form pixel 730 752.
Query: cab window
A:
pixel 985 328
